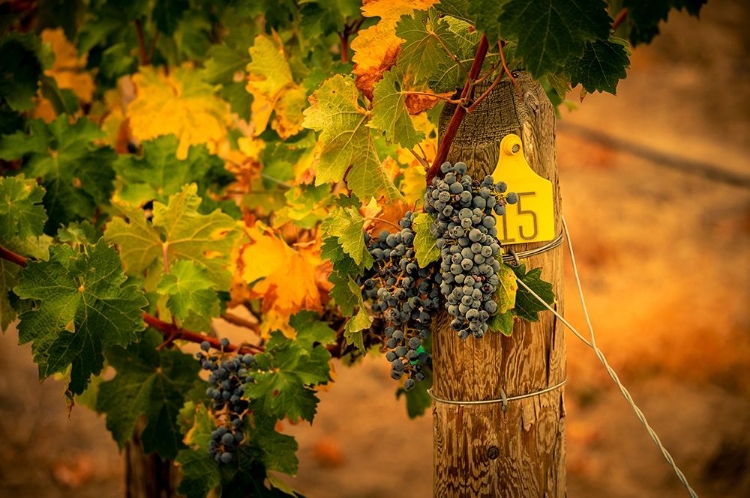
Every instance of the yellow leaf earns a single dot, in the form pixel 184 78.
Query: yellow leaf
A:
pixel 377 47
pixel 287 280
pixel 273 88
pixel 180 103
pixel 69 70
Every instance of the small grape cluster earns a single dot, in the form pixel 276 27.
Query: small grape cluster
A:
pixel 227 380
pixel 467 238
pixel 406 295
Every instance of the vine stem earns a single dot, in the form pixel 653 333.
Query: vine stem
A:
pixel 621 16
pixel 173 332
pixel 141 43
pixel 460 112
pixel 13 257
pixel 433 95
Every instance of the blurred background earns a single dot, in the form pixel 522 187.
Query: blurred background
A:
pixel 656 193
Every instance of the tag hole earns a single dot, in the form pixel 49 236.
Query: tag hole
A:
pixel 515 148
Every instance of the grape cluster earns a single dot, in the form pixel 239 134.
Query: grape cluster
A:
pixel 227 379
pixel 467 238
pixel 405 295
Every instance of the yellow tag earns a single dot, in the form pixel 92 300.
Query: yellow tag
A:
pixel 532 218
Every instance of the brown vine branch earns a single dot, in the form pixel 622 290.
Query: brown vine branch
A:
pixel 152 46
pixel 349 30
pixel 173 332
pixel 241 322
pixel 460 112
pixel 433 95
pixel 141 43
pixel 13 257
pixel 620 18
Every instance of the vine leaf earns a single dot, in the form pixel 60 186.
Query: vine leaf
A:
pixel 270 265
pixel 158 173
pixel 451 73
pixel 148 383
pixel 21 211
pixel 180 103
pixel 76 174
pixel 346 143
pixel 272 85
pixel 550 33
pixel 644 16
pixel 289 370
pixel 377 47
pixel 200 473
pixel 177 230
pixel 601 67
pixel 507 289
pixel 502 322
pixel 424 34
pixel 389 113
pixel 359 322
pixel 347 226
pixel 84 307
pixel 191 295
pixel 527 306
pixel 23 62
pixel 425 244
pixel 168 13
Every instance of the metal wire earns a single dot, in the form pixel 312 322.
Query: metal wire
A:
pixel 603 360
pixel 503 399
pixel 512 257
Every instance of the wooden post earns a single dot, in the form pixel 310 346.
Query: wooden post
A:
pixel 148 476
pixel 481 450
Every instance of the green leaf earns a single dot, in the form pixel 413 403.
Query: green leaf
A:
pixel 418 400
pixel 502 322
pixel 83 308
pixel 346 140
pixel 238 97
pixel 63 101
pixel 359 322
pixel 424 242
pixel 601 67
pixel 486 14
pixel 76 173
pixel 192 298
pixel 200 473
pixel 177 230
pixel 278 451
pixel 451 74
pixel 527 306
pixel 8 279
pixel 320 18
pixel 551 32
pixel 644 16
pixel 389 113
pixel 342 292
pixel 223 63
pixel 425 35
pixel 149 383
pixel 346 225
pixel 158 174
pixel 168 13
pixel 310 330
pixel 283 388
pixel 21 210
pixel 20 70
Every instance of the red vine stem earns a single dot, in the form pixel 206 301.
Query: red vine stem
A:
pixel 621 16
pixel 13 257
pixel 173 332
pixel 141 43
pixel 460 112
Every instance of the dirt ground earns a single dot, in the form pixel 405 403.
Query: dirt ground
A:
pixel 660 220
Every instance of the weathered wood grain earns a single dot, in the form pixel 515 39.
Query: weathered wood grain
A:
pixel 479 450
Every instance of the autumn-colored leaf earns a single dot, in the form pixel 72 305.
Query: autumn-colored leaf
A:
pixel 377 47
pixel 273 88
pixel 68 70
pixel 286 279
pixel 180 103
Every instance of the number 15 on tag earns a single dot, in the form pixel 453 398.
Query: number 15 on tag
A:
pixel 532 218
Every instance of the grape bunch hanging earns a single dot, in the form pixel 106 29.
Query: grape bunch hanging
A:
pixel 467 238
pixel 227 380
pixel 407 296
